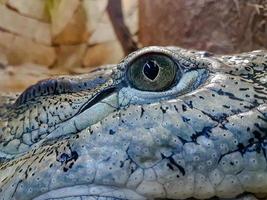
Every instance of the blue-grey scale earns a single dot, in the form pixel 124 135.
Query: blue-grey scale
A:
pixel 164 123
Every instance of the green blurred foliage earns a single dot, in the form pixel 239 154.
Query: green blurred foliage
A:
pixel 51 7
pixel 3 1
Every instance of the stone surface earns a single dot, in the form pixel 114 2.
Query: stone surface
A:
pixel 3 59
pixel 3 1
pixel 68 35
pixel 102 29
pixel 94 11
pixel 20 50
pixel 75 31
pixel 104 53
pixel 29 74
pixel 103 32
pixel 61 15
pixel 130 14
pixel 70 56
pixel 219 26
pixel 31 8
pixel 13 22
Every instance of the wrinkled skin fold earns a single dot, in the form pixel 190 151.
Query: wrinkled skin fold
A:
pixel 96 136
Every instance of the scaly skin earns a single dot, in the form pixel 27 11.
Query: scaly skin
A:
pixel 96 137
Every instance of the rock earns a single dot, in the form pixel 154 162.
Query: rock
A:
pixel 6 40
pixel 69 22
pixel 103 32
pixel 94 12
pixel 3 1
pixel 20 50
pixel 219 26
pixel 130 14
pixel 13 22
pixel 75 31
pixel 104 53
pixel 3 60
pixel 70 56
pixel 31 8
pixel 102 29
pixel 61 13
pixel 29 74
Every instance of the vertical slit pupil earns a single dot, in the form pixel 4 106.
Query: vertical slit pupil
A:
pixel 151 69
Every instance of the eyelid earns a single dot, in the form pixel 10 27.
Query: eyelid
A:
pixel 185 61
pixel 149 50
pixel 189 81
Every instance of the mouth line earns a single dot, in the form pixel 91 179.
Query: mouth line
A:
pixel 97 98
pixel 92 190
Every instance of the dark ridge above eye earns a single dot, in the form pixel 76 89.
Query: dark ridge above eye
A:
pixel 57 86
pixel 151 69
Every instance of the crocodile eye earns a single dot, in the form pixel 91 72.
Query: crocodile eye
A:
pixel 152 72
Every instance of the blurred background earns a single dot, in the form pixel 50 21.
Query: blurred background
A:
pixel 44 38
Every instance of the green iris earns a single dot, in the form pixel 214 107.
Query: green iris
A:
pixel 152 72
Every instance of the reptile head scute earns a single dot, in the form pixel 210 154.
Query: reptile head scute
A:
pixel 163 123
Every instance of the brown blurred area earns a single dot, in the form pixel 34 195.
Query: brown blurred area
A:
pixel 44 38
pixel 223 27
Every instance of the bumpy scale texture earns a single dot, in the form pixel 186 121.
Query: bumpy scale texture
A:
pixel 96 137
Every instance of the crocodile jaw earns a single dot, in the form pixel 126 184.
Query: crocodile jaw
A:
pixel 90 192
pixel 197 144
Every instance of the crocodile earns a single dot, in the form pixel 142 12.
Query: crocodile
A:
pixel 164 123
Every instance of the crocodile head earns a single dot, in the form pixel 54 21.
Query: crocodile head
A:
pixel 164 123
